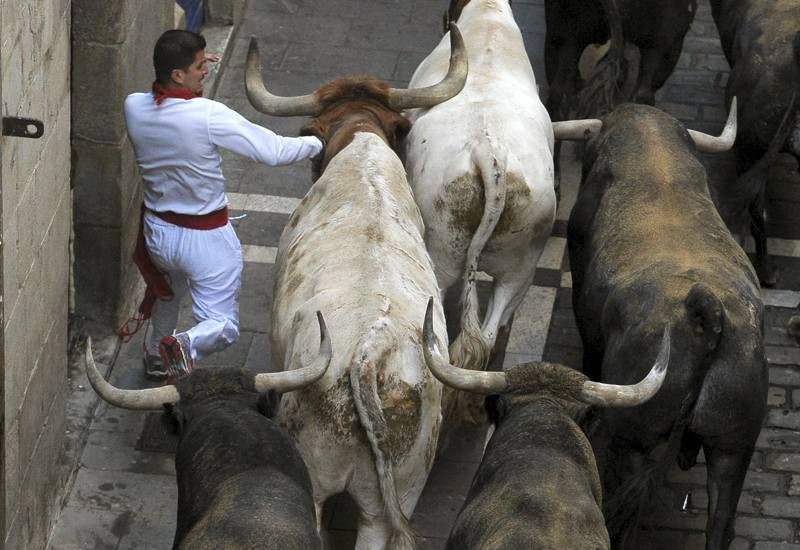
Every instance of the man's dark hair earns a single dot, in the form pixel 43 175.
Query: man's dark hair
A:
pixel 175 49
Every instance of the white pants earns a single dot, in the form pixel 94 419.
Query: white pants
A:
pixel 207 264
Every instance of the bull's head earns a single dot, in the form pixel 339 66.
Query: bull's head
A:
pixel 522 378
pixel 349 105
pixel 155 398
pixel 583 130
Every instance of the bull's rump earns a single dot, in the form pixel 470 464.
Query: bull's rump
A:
pixel 443 150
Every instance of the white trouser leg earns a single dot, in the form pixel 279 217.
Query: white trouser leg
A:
pixel 165 314
pixel 211 262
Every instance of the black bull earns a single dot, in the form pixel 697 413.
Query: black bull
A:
pixel 761 41
pixel 241 481
pixel 647 248
pixel 537 484
pixel 655 27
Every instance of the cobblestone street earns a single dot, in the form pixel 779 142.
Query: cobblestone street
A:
pixel 124 495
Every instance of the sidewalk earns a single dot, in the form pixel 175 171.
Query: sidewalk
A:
pixel 124 495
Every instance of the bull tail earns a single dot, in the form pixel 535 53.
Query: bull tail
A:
pixel 624 509
pixel 471 348
pixel 364 382
pixel 615 77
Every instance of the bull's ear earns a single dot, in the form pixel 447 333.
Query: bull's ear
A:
pixel 495 408
pixel 706 315
pixel 401 126
pixel 268 403
pixel 176 416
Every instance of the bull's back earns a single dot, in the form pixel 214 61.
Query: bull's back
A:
pixel 354 242
pixel 537 487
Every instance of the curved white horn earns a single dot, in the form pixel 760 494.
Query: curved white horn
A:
pixel 460 379
pixel 577 130
pixel 719 144
pixel 295 379
pixel 612 395
pixel 453 82
pixel 261 98
pixel 149 399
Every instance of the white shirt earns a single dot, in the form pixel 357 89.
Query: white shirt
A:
pixel 177 148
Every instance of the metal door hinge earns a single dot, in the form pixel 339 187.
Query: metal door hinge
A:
pixel 22 127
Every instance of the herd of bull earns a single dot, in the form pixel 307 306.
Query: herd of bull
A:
pixel 376 274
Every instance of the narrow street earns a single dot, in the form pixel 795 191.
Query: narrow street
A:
pixel 124 495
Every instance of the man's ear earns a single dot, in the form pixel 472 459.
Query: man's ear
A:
pixel 177 76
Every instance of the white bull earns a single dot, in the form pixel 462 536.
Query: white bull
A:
pixel 481 167
pixel 354 250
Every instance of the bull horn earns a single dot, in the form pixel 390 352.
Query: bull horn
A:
pixel 150 399
pixel 262 100
pixel 719 144
pixel 612 395
pixel 453 82
pixel 297 378
pixel 460 379
pixel 577 130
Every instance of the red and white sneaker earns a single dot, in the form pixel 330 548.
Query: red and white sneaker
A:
pixel 174 351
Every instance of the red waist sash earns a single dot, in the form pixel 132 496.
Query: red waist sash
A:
pixel 157 284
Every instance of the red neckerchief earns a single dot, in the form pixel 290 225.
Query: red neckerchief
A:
pixel 161 93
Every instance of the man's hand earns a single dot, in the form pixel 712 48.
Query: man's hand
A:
pixel 212 57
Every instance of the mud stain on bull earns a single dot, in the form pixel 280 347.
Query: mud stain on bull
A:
pixel 401 403
pixel 335 406
pixel 294 282
pixel 464 198
pixel 374 233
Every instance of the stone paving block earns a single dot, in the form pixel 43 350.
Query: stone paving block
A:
pixel 784 376
pixel 761 528
pixel 777 336
pixel 787 462
pixel 443 496
pixel 776 546
pixel 778 355
pixel 419 39
pixel 259 358
pixel 776 397
pixel 781 506
pixel 529 330
pixel 784 418
pixel 344 61
pixel 684 521
pixel 131 510
pixel 794 486
pixel 114 452
pixel 739 544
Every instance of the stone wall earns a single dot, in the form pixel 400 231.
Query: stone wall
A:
pixel 36 213
pixel 112 48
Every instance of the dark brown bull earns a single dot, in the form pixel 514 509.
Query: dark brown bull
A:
pixel 537 485
pixel 656 29
pixel 761 41
pixel 648 249
pixel 242 483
